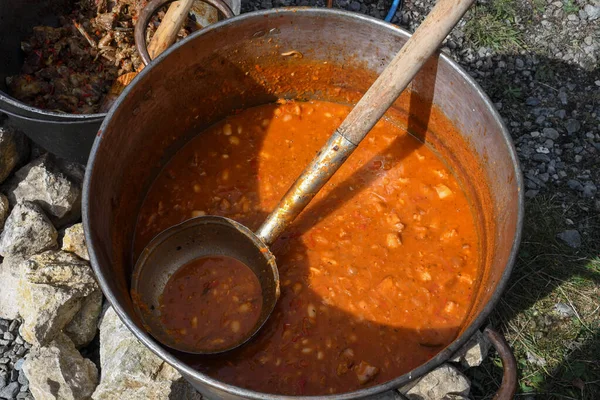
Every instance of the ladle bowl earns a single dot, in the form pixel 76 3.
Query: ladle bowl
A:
pixel 195 238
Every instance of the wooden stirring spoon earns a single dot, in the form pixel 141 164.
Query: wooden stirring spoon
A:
pixel 165 35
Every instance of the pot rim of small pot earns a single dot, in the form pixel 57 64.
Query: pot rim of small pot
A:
pixel 10 105
pixel 38 114
pixel 393 384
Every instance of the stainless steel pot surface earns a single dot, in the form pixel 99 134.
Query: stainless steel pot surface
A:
pixel 239 63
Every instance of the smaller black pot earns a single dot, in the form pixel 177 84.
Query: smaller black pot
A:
pixel 69 136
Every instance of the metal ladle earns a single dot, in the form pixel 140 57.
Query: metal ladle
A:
pixel 214 235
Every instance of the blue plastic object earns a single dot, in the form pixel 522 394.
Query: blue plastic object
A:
pixel 393 9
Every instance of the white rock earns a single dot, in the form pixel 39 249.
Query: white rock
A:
pixel 14 150
pixel 4 207
pixel 27 231
pixel 52 183
pixel 74 241
pixel 58 372
pixel 9 280
pixel 474 351
pixel 84 325
pixel 443 381
pixel 51 292
pixel 131 371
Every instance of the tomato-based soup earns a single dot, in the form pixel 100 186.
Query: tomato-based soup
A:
pixel 377 274
pixel 211 303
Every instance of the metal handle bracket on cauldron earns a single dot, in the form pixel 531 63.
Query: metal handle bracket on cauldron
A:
pixel 151 8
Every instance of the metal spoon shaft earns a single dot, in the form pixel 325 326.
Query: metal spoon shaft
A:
pixel 371 107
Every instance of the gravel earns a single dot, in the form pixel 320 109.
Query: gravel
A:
pixel 12 356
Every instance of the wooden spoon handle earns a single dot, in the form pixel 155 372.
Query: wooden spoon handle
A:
pixel 402 69
pixel 170 25
pixel 165 35
pixel 371 107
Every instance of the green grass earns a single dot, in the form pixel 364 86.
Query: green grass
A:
pixel 539 6
pixel 569 7
pixel 493 25
pixel 549 272
pixel 512 93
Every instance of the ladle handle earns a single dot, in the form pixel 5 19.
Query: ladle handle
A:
pixel 371 107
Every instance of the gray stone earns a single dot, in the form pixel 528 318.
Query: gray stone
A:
pixel 572 126
pixel 574 184
pixel 593 12
pixel 589 190
pixel 474 351
pixel 58 371
pixel 22 379
pixel 535 359
pixel 519 63
pixel 564 310
pixel 571 237
pixel 443 381
pixel 532 101
pixel 27 231
pixel 541 157
pixel 14 150
pixel 551 133
pixel 51 291
pixel 19 364
pixel 74 241
pixel 10 391
pixel 562 96
pixel 531 193
pixel 52 183
pixel 131 371
pixel 4 208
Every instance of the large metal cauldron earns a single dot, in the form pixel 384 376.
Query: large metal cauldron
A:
pixel 238 63
pixel 67 135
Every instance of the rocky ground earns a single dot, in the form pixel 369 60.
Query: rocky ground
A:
pixel 538 62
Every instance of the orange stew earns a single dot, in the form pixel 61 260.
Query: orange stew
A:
pixel 377 274
pixel 211 303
